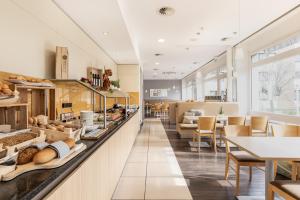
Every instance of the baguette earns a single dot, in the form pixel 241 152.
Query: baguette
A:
pixel 49 154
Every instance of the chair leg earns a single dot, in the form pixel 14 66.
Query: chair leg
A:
pixel 227 167
pixel 294 172
pixel 199 143
pixel 215 142
pixel 237 172
pixel 250 173
pixel 271 195
pixel 275 168
pixel 194 138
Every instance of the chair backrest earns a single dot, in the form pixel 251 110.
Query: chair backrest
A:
pixel 237 130
pixel 286 130
pixel 165 106
pixel 207 123
pixel 236 120
pixel 259 123
pixel 157 106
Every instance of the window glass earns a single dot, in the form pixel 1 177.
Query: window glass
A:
pixel 290 43
pixel 211 74
pixel 276 86
pixel 223 86
pixel 211 87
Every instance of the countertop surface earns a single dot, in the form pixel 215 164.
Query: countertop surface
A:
pixel 37 184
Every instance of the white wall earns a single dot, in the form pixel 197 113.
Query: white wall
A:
pixel 129 76
pixel 30 32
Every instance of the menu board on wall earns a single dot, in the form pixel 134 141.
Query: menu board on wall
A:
pixel 158 93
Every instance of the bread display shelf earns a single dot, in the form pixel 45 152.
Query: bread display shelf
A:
pixel 25 84
pixel 54 135
pixel 11 150
pixel 21 169
pixel 13 105
pixel 15 115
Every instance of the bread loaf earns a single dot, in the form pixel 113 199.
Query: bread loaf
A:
pixel 49 154
pixel 26 155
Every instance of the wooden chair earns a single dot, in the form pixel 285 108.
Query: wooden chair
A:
pixel 240 158
pixel 236 120
pixel 165 110
pixel 288 131
pixel 287 189
pixel 157 110
pixel 259 125
pixel 206 128
pixel 233 120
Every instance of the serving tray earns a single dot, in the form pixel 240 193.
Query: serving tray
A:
pixel 21 169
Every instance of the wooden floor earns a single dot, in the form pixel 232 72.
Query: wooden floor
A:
pixel 204 172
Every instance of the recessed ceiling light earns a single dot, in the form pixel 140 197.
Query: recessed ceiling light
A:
pixel 195 63
pixel 161 40
pixel 201 28
pixel 187 48
pixel 198 33
pixel 157 63
pixel 158 54
pixel 105 33
pixel 155 69
pixel 234 33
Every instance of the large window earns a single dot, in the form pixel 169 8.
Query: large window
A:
pixel 215 82
pixel 276 82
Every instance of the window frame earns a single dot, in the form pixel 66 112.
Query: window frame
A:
pixel 271 59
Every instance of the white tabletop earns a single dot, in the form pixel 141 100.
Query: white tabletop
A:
pixel 269 148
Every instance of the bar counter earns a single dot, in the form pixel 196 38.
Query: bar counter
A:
pixel 101 163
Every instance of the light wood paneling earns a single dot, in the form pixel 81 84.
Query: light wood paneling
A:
pixel 98 176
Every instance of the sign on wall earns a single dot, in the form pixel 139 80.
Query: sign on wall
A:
pixel 158 92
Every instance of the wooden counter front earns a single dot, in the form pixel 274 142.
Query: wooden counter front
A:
pixel 97 177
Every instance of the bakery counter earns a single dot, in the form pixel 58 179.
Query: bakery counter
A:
pixel 93 174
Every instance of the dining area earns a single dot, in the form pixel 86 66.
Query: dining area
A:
pixel 254 142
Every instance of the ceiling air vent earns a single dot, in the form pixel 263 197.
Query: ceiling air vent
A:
pixel 169 73
pixel 166 11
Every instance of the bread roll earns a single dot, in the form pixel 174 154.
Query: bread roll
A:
pixel 30 120
pixel 49 154
pixel 48 126
pixel 7 92
pixel 60 128
pixel 5 86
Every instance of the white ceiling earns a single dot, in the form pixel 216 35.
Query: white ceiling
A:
pixel 134 28
pixel 96 17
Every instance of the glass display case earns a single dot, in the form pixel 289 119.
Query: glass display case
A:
pixel 74 96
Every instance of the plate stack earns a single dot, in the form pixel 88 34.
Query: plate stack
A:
pixel 87 118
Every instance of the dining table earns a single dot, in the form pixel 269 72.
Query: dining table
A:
pixel 269 149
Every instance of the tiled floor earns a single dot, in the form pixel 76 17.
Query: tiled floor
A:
pixel 152 171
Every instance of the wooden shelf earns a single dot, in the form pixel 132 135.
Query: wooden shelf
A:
pixel 13 105
pixel 33 87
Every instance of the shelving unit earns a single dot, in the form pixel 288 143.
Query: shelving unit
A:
pixel 40 100
pixel 15 114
